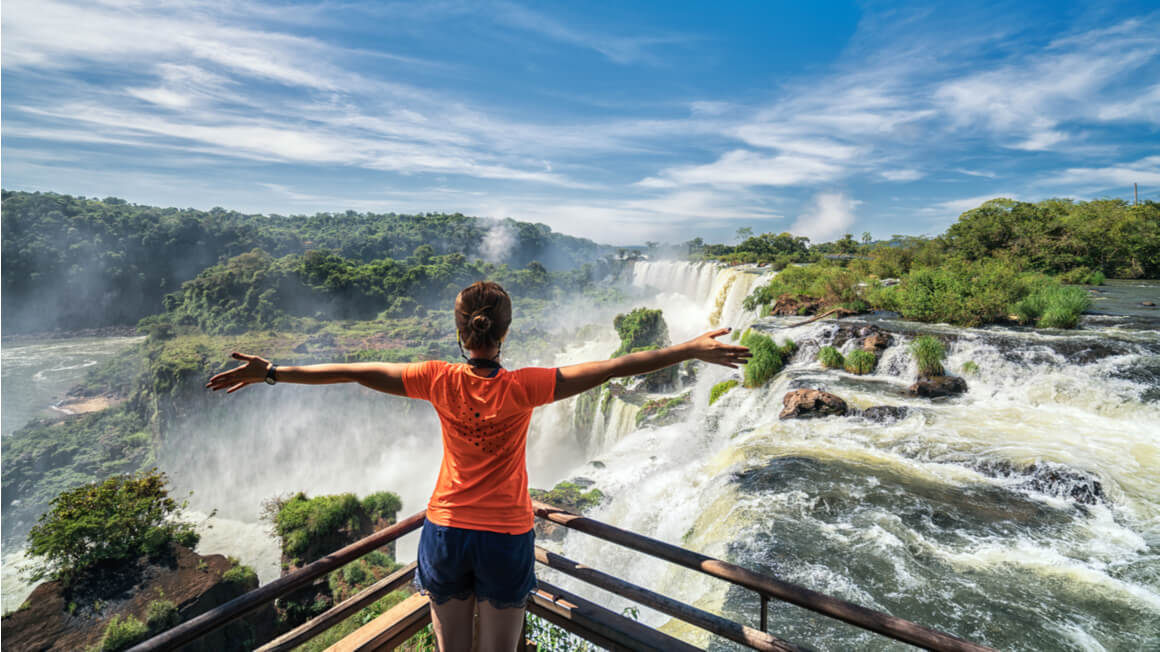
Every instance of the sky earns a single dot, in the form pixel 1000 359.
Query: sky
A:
pixel 620 122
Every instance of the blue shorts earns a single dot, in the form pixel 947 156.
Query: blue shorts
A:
pixel 455 564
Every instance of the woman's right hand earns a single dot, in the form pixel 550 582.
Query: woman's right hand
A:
pixel 706 348
pixel 253 371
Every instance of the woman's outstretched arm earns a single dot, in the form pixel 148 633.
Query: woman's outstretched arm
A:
pixel 383 376
pixel 573 379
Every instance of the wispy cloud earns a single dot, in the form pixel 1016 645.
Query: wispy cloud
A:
pixel 831 215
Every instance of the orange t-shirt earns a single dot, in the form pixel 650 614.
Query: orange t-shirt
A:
pixel 483 480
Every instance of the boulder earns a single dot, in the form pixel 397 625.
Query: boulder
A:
pixel 886 413
pixel 938 386
pixel 877 342
pixel 811 403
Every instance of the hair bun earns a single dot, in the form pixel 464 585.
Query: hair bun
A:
pixel 481 323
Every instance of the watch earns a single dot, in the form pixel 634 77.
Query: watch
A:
pixel 270 378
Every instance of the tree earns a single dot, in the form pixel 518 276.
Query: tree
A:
pixel 122 518
pixel 744 233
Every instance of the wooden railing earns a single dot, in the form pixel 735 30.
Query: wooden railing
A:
pixel 558 606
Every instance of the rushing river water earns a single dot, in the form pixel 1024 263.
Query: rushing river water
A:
pixel 1024 514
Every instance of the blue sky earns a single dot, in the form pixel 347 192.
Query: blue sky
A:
pixel 622 122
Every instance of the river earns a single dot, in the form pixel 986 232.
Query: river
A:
pixel 1024 514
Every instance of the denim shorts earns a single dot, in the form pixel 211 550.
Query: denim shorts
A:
pixel 455 564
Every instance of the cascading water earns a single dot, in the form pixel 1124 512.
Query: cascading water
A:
pixel 1025 514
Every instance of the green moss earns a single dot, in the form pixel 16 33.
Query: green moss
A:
pixel 861 362
pixel 658 410
pixel 929 352
pixel 569 495
pixel 721 388
pixel 969 367
pixel 831 358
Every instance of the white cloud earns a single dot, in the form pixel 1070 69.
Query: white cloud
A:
pixel 1146 171
pixel 902 175
pixel 831 215
pixel 957 206
pixel 745 168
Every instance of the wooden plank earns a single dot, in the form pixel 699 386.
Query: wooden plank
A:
pixel 340 612
pixel 195 628
pixel 393 627
pixel 848 612
pixel 597 624
pixel 712 623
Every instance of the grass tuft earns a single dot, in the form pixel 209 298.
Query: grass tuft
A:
pixel 831 358
pixel 861 362
pixel 930 353
pixel 721 388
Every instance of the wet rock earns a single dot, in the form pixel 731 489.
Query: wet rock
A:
pixel 885 413
pixel 789 305
pixel 877 342
pixel 1049 478
pixel 810 404
pixel 938 386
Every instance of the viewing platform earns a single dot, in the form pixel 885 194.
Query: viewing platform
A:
pixel 571 612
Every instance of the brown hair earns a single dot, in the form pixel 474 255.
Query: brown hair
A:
pixel 483 312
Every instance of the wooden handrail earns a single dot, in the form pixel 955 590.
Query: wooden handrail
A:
pixel 599 625
pixel 341 611
pixel 245 603
pixel 848 612
pixel 712 623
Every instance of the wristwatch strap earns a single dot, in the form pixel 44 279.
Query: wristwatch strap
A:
pixel 270 377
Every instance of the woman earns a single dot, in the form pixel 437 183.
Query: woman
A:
pixel 476 548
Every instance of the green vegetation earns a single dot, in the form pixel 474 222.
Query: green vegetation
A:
pixel 122 518
pixel 861 362
pixel 640 330
pixel 660 410
pixel 1082 276
pixel 768 358
pixel 241 574
pixel 826 282
pixel 102 262
pixel 721 388
pixel 1053 307
pixel 161 615
pixel 382 506
pixel 970 368
pixel 778 250
pixel 303 523
pixel 831 358
pixel 120 633
pixel 569 495
pixel 364 616
pixel 929 352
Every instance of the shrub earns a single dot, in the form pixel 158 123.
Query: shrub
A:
pixel 1082 276
pixel 929 352
pixel 301 520
pixel 120 633
pixel 354 573
pixel 1053 306
pixel 241 574
pixel 969 367
pixel 766 361
pixel 831 358
pixel 721 388
pixel 965 294
pixel 383 505
pixel 861 362
pixel 121 518
pixel 161 615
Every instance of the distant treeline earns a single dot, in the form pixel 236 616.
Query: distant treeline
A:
pixel 257 291
pixel 75 263
pixel 1055 236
